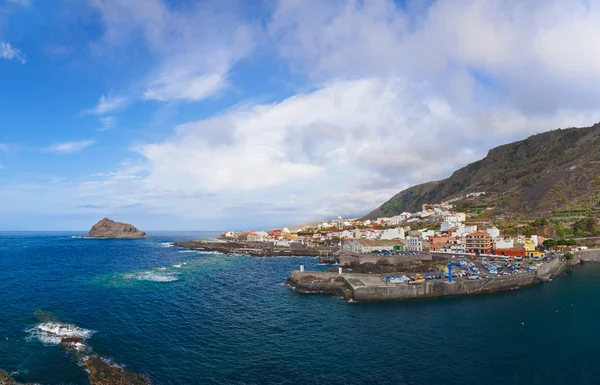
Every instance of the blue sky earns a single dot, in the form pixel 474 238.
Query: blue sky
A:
pixel 202 115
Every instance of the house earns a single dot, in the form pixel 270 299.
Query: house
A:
pixel 414 244
pixel 504 244
pixel 257 236
pixel 227 235
pixel 392 234
pixel 494 232
pixel 370 245
pixel 529 245
pixel 478 242
pixel 512 252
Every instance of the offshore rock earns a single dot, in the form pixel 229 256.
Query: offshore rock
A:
pixel 110 229
pixel 102 373
pixel 100 370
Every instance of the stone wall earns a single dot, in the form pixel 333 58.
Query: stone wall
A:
pixel 589 256
pixel 347 259
pixel 367 287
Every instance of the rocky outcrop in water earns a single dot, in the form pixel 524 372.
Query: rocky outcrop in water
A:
pixel 100 371
pixel 5 379
pixel 109 229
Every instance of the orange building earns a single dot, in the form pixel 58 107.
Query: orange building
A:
pixel 478 242
pixel 511 252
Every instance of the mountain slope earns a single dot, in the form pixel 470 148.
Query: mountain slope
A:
pixel 555 171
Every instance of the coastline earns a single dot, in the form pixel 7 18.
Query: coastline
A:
pixel 253 249
pixel 374 287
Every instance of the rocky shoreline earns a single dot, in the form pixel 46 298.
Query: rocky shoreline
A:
pixel 254 249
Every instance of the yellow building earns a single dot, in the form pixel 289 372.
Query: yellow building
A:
pixel 529 245
pixel 533 254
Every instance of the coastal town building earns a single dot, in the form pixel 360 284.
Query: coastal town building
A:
pixel 504 243
pixel 494 232
pixel 452 236
pixel 392 234
pixel 372 245
pixel 414 244
pixel 478 242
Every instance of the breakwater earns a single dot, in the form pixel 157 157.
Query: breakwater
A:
pixel 586 256
pixel 374 287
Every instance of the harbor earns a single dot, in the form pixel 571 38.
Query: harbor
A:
pixel 491 277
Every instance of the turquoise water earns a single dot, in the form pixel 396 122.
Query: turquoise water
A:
pixel 194 318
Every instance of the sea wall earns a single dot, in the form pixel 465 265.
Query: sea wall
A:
pixel 373 287
pixel 587 256
pixel 348 259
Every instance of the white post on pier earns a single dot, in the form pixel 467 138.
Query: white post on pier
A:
pixel 301 267
pixel 340 271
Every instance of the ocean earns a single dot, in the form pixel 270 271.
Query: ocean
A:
pixel 201 318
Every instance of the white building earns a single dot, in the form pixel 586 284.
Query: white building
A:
pixel 424 234
pixel 392 234
pixel 346 234
pixel 414 244
pixel 446 226
pixel 371 245
pixel 493 232
pixel 504 244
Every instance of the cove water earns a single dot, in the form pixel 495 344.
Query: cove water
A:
pixel 201 318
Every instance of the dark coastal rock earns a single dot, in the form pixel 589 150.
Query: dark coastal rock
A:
pixel 5 379
pixel 102 373
pixel 110 229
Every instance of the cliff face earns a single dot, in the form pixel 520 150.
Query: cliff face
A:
pixel 550 172
pixel 107 228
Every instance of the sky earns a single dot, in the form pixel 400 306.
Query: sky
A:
pixel 248 114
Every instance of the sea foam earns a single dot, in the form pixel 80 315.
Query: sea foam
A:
pixel 51 333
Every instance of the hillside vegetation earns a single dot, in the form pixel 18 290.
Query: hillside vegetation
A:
pixel 556 173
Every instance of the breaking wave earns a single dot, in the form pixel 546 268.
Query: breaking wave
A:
pixel 153 276
pixel 51 333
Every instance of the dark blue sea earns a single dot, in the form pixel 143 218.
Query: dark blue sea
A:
pixel 199 318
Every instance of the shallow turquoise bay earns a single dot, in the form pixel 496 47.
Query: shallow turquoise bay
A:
pixel 201 318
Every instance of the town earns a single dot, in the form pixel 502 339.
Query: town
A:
pixel 434 229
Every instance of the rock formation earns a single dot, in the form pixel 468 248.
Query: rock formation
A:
pixel 107 228
pixel 100 371
pixel 5 379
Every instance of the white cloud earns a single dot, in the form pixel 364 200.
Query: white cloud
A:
pixel 194 47
pixel 69 147
pixel 107 123
pixel 399 96
pixel 184 85
pixel 107 104
pixel 9 52
pixel 342 149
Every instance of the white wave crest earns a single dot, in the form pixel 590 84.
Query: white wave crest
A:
pixel 51 333
pixel 154 276
pixel 177 266
pixel 167 244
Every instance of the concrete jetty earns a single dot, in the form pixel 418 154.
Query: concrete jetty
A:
pixel 374 287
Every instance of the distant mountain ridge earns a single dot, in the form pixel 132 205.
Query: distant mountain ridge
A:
pixel 555 171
